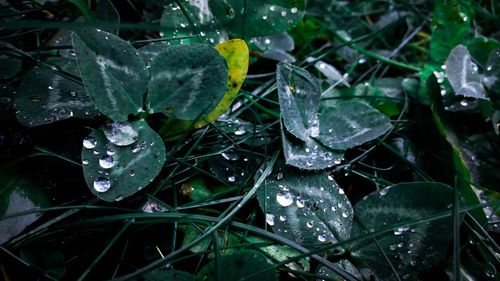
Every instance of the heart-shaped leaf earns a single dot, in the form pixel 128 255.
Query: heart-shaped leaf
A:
pixel 258 17
pixel 299 96
pixel 112 71
pixel 310 209
pixel 121 158
pixel 45 96
pixel 238 265
pixel 351 123
pixel 412 248
pixel 187 81
pixel 463 75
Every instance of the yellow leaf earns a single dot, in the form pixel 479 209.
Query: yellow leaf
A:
pixel 235 52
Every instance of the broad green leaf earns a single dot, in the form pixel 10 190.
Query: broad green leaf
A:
pixel 106 12
pixel 168 274
pixel 281 41
pixel 150 51
pixel 481 47
pixel 236 266
pixel 409 248
pixel 450 27
pixel 346 265
pixel 258 17
pixel 463 75
pixel 18 194
pixel 351 123
pixel 309 154
pixel 187 81
pixel 236 54
pixel 193 20
pixel 45 96
pixel 310 209
pixel 299 94
pixel 112 71
pixel 121 158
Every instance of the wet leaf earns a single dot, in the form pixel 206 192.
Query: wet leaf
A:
pixel 309 154
pixel 201 26
pixel 168 274
pixel 238 265
pixel 187 81
pixel 45 96
pixel 150 51
pixel 235 52
pixel 18 194
pixel 411 248
pixel 299 96
pixel 491 78
pixel 116 166
pixel 351 123
pixel 463 74
pixel 310 209
pixel 114 74
pixel 258 17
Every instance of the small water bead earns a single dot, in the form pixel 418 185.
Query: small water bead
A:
pixel 464 103
pixel 393 247
pixel 345 214
pixel 341 191
pixel 231 179
pixel 241 131
pixel 102 184
pixel 85 162
pixel 136 148
pixel 401 230
pixel 400 245
pixel 383 191
pixel 230 156
pixel 322 238
pixel 132 173
pixel 310 224
pixel 413 263
pixel 294 10
pixel 272 8
pixel 279 176
pixel 110 151
pixel 300 202
pixel 283 13
pixel 270 219
pixel 106 162
pixel 284 198
pixel 282 218
pixel 89 142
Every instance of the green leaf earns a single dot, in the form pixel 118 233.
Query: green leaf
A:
pixel 258 17
pixel 113 73
pixel 491 78
pixel 121 158
pixel 18 194
pixel 299 95
pixel 150 51
pixel 481 47
pixel 309 154
pixel 412 248
pixel 169 274
pixel 463 75
pixel 187 81
pixel 238 265
pixel 450 27
pixel 194 19
pixel 310 209
pixel 45 96
pixel 351 123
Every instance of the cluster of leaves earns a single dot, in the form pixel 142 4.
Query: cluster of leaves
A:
pixel 134 145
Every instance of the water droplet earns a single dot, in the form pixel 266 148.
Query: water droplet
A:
pixel 464 103
pixel 241 131
pixel 490 270
pixel 284 198
pixel 300 201
pixel 333 209
pixel 230 13
pixel 85 162
pixel 231 179
pixel 136 148
pixel 282 218
pixel 283 13
pixel 322 238
pixel 345 214
pixel 110 151
pixel 413 263
pixel 293 10
pixel 309 163
pixel 341 191
pixel 400 245
pixel 279 176
pixel 89 142
pixel 310 224
pixel 132 173
pixel 230 156
pixel 102 184
pixel 400 230
pixel 383 191
pixel 120 133
pixel 393 247
pixel 106 162
pixel 272 8
pixel 270 219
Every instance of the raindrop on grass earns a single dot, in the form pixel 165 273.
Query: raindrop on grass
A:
pixel 89 142
pixel 102 184
pixel 270 219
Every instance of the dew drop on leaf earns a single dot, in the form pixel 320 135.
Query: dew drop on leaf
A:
pixel 284 198
pixel 322 238
pixel 89 142
pixel 310 224
pixel 120 133
pixel 270 219
pixel 282 218
pixel 106 162
pixel 102 184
